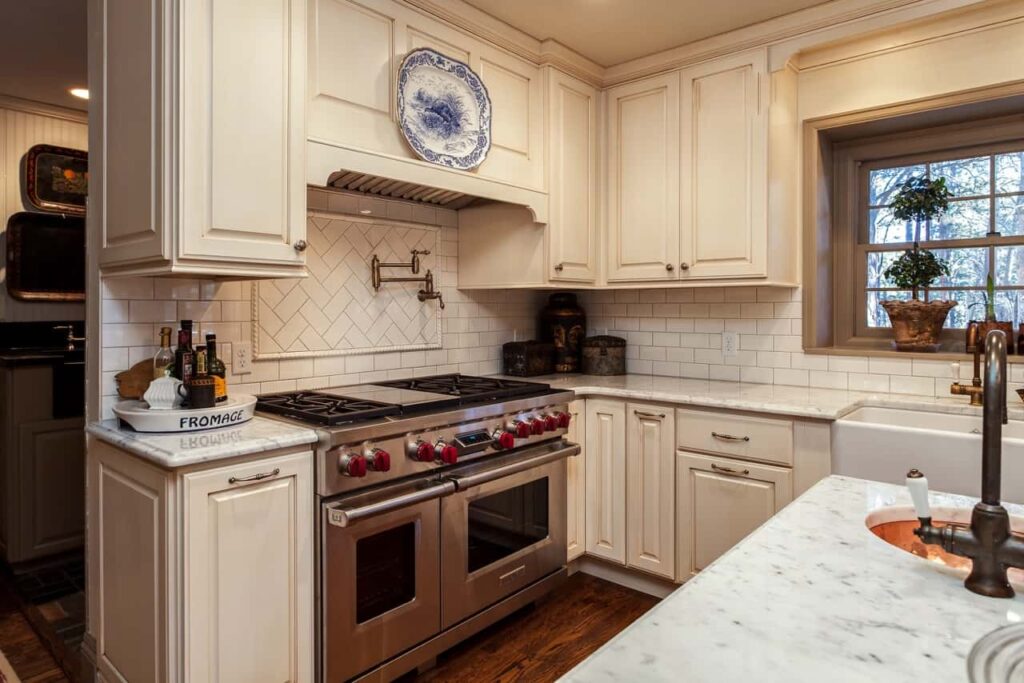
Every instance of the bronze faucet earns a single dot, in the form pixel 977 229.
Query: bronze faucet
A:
pixel 974 391
pixel 988 542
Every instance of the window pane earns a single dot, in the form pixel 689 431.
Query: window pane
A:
pixel 968 267
pixel 878 261
pixel 964 220
pixel 884 182
pixel 877 317
pixel 1009 265
pixel 1010 172
pixel 884 229
pixel 970 306
pixel 964 177
pixel 1009 306
pixel 1010 215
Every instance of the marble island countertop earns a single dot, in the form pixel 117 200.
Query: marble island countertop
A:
pixel 190 448
pixel 812 595
pixel 824 404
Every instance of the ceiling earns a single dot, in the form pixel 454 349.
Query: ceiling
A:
pixel 43 50
pixel 614 31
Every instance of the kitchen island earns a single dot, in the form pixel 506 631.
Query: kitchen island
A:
pixel 813 595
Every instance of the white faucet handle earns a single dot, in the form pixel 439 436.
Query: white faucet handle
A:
pixel 917 484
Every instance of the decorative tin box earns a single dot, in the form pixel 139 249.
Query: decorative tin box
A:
pixel 528 358
pixel 604 355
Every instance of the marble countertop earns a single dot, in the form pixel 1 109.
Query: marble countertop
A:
pixel 824 404
pixel 812 595
pixel 190 448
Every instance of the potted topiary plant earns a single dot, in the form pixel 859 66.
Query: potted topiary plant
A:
pixel 916 324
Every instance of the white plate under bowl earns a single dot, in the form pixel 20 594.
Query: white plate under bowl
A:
pixel 236 410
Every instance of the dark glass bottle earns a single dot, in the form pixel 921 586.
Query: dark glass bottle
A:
pixel 216 369
pixel 184 356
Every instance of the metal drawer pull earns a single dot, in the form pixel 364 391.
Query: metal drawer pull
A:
pixel 512 575
pixel 730 437
pixel 255 477
pixel 651 416
pixel 729 470
pixel 347 516
pixel 467 481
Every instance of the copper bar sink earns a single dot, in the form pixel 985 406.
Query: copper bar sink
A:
pixel 896 527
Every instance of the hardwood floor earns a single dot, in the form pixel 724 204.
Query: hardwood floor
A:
pixel 24 650
pixel 542 643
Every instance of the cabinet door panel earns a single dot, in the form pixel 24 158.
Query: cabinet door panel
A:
pixel 249 572
pixel 576 501
pixel 724 169
pixel 720 501
pixel 606 479
pixel 243 127
pixel 650 499
pixel 572 178
pixel 643 179
pixel 52 469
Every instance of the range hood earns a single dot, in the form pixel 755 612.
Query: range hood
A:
pixel 354 170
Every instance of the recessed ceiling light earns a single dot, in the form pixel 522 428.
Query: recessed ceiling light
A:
pixel 81 93
pixel 365 212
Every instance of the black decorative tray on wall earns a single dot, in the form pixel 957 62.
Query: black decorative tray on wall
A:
pixel 45 257
pixel 57 179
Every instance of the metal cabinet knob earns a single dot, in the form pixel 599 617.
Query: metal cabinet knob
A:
pixel 558 267
pixel 300 246
pixel 684 266
pixel 669 267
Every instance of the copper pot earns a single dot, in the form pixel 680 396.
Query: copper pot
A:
pixel 983 327
pixel 916 325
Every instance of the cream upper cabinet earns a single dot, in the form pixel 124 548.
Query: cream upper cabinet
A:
pixel 197 128
pixel 259 628
pixel 355 51
pixel 576 500
pixel 642 181
pixel 572 111
pixel 605 447
pixel 719 502
pixel 650 489
pixel 724 168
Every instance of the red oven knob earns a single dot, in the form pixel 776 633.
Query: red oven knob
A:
pixel 563 420
pixel 352 465
pixel 504 438
pixel 550 423
pixel 379 460
pixel 537 425
pixel 523 429
pixel 422 451
pixel 446 453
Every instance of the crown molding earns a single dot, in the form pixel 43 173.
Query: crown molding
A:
pixel 53 111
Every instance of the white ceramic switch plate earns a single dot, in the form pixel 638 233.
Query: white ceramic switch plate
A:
pixel 730 342
pixel 241 358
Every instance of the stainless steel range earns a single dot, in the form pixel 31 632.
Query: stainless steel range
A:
pixel 441 504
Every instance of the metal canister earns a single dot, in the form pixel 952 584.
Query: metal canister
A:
pixel 564 323
pixel 604 355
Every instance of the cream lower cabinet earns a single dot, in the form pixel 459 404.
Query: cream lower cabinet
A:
pixel 203 575
pixel 720 501
pixel 197 137
pixel 605 452
pixel 576 500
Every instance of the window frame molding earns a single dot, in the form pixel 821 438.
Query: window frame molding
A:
pixel 827 162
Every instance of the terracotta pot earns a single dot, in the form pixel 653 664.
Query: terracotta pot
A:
pixel 916 324
pixel 986 326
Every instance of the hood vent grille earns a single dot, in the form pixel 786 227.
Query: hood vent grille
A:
pixel 397 189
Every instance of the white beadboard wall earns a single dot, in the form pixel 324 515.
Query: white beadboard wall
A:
pixel 678 333
pixel 474 324
pixel 20 130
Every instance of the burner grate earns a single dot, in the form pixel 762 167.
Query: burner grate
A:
pixel 324 409
pixel 469 388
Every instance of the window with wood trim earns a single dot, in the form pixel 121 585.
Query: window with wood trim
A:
pixel 981 235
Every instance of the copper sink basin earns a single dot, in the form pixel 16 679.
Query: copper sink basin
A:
pixel 896 527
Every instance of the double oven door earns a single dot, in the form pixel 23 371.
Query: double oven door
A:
pixel 401 564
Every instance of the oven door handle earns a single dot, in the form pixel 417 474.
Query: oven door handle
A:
pixel 467 481
pixel 347 516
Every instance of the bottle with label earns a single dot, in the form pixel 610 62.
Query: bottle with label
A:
pixel 163 361
pixel 215 366
pixel 202 368
pixel 184 356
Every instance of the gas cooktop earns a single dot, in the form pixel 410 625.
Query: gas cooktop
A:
pixel 395 398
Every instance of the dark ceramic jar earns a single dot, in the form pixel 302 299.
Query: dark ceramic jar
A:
pixel 564 323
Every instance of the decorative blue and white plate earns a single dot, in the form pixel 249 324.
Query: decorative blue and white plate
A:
pixel 444 110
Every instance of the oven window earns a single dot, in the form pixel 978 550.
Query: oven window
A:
pixel 507 521
pixel 385 571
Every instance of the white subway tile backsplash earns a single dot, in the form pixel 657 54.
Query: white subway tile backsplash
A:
pixel 823 379
pixel 922 386
pixel 890 366
pixel 847 364
pixel 862 382
pixel 724 373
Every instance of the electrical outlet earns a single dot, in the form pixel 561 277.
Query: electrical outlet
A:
pixel 730 343
pixel 241 358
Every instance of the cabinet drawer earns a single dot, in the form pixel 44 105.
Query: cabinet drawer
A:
pixel 739 436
